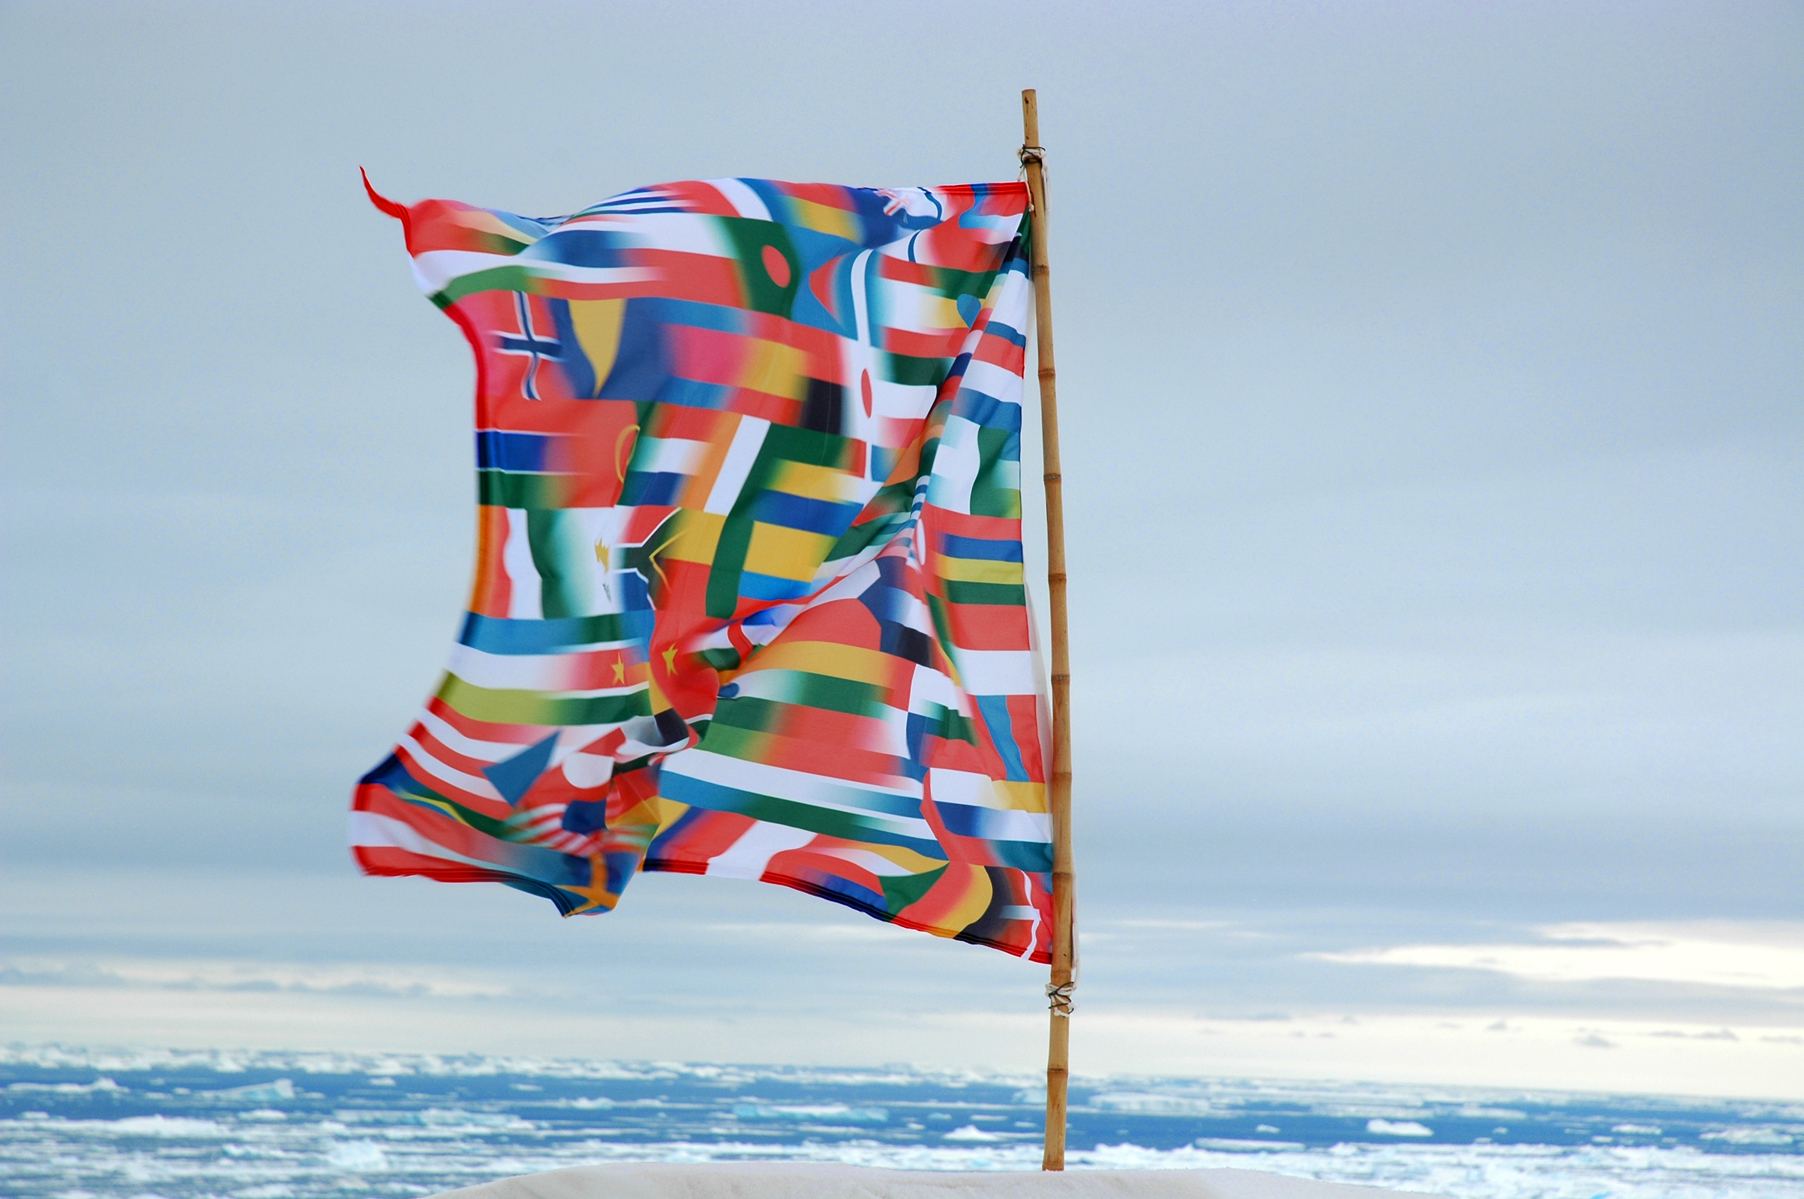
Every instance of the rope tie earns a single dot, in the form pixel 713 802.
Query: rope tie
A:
pixel 1037 154
pixel 1059 998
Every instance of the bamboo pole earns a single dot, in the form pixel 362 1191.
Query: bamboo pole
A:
pixel 1058 1050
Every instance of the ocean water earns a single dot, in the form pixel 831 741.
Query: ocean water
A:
pixel 80 1124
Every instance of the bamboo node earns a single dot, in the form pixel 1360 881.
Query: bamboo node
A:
pixel 1061 678
pixel 1054 477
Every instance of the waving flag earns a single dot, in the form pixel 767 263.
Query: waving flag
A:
pixel 748 596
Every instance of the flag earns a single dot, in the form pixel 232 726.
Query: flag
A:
pixel 749 596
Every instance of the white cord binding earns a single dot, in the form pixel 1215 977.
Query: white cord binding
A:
pixel 1037 154
pixel 1060 999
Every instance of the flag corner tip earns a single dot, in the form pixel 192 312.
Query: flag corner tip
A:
pixel 382 202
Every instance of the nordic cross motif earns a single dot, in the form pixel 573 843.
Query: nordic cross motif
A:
pixel 749 596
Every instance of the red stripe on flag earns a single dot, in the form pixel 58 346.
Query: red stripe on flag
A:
pixel 699 842
pixel 988 626
pixel 522 735
pixel 941 343
pixel 1024 716
pixel 698 197
pixel 1000 351
pixel 829 195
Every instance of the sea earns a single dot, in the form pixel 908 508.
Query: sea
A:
pixel 169 1124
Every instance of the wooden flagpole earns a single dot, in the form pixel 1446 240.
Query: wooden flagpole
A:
pixel 1058 1050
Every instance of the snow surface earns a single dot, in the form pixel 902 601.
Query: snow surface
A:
pixel 236 1124
pixel 787 1180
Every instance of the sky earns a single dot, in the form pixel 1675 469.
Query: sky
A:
pixel 1433 434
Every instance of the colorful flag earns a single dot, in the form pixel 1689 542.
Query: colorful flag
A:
pixel 749 596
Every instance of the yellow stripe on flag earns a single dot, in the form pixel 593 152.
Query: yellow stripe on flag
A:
pixel 785 553
pixel 977 570
pixel 695 539
pixel 830 658
pixel 823 218
pixel 816 482
pixel 774 368
pixel 1020 797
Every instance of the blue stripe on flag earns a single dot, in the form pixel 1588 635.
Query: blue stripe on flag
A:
pixel 963 821
pixel 498 449
pixel 990 550
pixel 753 585
pixel 985 410
pixel 1002 732
pixel 652 488
pixel 694 314
pixel 690 394
pixel 1007 333
pixel 582 247
pixel 496 635
pixel 800 512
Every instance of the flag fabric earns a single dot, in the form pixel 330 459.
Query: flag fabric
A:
pixel 749 596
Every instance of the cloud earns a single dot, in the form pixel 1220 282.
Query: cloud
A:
pixel 261 977
pixel 1434 520
pixel 1760 957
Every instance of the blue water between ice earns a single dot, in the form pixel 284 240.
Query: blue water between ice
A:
pixel 174 1125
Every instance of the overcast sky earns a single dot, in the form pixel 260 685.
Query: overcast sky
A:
pixel 1434 447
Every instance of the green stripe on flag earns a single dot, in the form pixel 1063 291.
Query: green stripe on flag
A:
pixel 537 707
pixel 830 822
pixel 914 372
pixel 497 278
pixel 487 825
pixel 826 691
pixel 734 741
pixel 961 592
pixel 901 890
pixel 512 489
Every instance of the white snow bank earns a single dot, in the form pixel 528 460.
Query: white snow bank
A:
pixel 800 1180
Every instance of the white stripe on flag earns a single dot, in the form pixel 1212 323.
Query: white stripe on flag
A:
pixel 742 198
pixel 996 381
pixel 861 300
pixel 469 747
pixel 376 831
pixel 528 672
pixel 996 671
pixel 516 557
pixel 736 467
pixel 748 856
pixel 668 455
pixel 436 268
pixel 683 232
pixel 955 466
pixel 780 782
pixel 420 756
